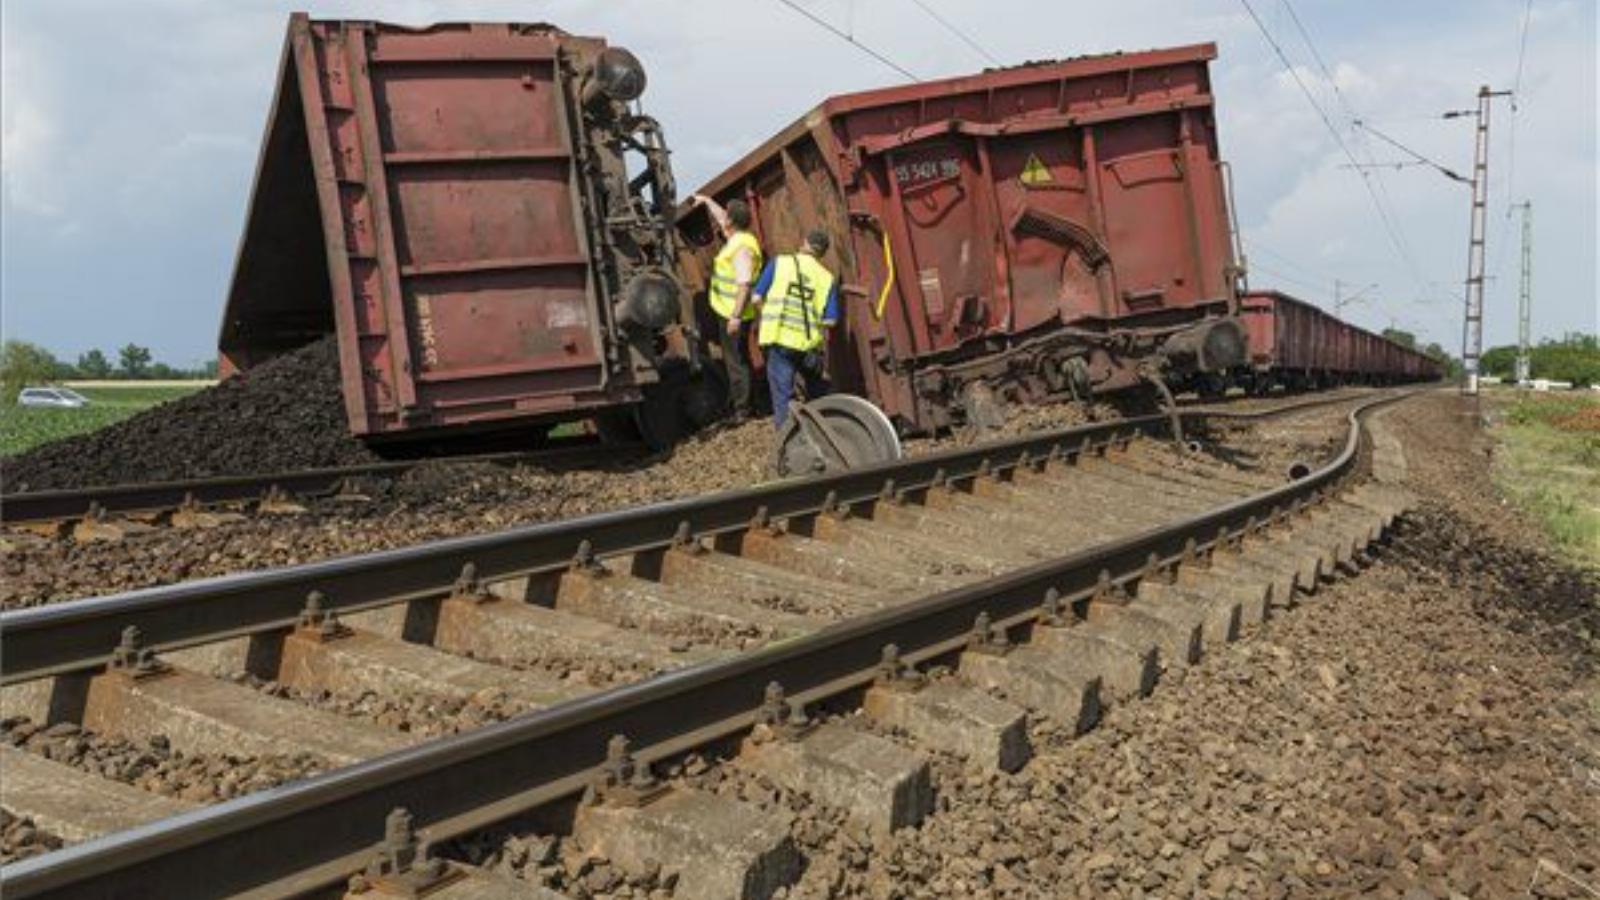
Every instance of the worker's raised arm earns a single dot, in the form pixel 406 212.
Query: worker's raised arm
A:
pixel 719 216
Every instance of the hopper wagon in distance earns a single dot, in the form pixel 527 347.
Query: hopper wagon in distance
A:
pixel 1047 230
pixel 481 215
pixel 1296 346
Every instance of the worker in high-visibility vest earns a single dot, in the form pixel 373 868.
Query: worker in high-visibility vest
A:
pixel 799 300
pixel 728 293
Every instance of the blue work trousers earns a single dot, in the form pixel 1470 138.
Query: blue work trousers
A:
pixel 783 366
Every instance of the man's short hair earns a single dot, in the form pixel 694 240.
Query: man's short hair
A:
pixel 739 214
pixel 817 240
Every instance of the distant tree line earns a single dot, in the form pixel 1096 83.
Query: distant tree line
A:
pixel 1452 366
pixel 24 364
pixel 1573 357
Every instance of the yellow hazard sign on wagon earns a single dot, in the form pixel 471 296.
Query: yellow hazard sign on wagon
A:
pixel 1035 173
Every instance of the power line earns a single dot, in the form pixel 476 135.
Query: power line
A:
pixel 1259 247
pixel 1283 276
pixel 1397 164
pixel 1516 103
pixel 1446 172
pixel 1391 120
pixel 1522 53
pixel 1323 66
pixel 850 40
pixel 965 38
pixel 1380 195
pixel 1511 143
pixel 1383 214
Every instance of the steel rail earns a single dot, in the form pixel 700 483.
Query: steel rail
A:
pixel 81 634
pixel 311 834
pixel 26 507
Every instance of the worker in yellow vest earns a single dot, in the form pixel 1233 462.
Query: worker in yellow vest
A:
pixel 799 300
pixel 732 273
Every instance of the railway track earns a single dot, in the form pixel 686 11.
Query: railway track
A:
pixel 1053 575
pixel 230 493
pixel 201 500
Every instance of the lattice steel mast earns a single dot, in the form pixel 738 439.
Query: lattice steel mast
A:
pixel 1472 326
pixel 1525 297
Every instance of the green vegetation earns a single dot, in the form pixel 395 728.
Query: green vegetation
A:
pixel 23 364
pixel 1574 357
pixel 22 428
pixel 1548 461
pixel 1452 366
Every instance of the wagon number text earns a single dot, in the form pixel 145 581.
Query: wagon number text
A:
pixel 911 173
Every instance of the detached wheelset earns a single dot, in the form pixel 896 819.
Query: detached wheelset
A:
pixel 832 434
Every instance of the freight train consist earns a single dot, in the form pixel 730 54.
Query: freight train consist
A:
pixel 490 227
pixel 1295 345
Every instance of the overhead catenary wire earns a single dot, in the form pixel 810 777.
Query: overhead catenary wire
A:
pixel 1317 57
pixel 1397 164
pixel 1418 157
pixel 1380 193
pixel 965 38
pixel 1255 246
pixel 847 38
pixel 1511 140
pixel 1390 228
pixel 1522 53
pixel 1314 291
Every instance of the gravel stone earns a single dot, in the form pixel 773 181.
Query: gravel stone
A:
pixel 153 766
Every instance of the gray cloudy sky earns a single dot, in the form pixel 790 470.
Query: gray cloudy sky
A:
pixel 130 132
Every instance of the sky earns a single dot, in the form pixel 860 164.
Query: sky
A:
pixel 130 133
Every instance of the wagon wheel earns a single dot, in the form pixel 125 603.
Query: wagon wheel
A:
pixel 834 433
pixel 1212 386
pixel 680 404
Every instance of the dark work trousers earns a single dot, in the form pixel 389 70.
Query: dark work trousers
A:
pixel 737 362
pixel 783 366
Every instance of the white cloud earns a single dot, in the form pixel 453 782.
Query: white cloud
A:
pixel 27 131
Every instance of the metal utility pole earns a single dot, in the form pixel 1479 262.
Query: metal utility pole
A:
pixel 1472 327
pixel 1525 296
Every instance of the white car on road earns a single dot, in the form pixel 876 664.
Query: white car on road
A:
pixel 57 397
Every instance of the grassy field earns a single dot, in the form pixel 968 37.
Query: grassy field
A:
pixel 22 427
pixel 1548 461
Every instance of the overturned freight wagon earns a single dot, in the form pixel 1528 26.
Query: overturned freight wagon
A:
pixel 1049 229
pixel 476 210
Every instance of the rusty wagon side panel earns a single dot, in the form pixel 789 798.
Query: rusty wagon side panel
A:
pixel 423 193
pixel 1034 228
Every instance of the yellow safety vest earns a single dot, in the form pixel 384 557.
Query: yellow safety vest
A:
pixel 724 288
pixel 792 311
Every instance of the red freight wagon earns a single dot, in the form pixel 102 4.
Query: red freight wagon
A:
pixel 1047 229
pixel 1295 344
pixel 478 213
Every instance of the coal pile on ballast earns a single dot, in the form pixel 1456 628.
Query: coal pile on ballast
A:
pixel 283 415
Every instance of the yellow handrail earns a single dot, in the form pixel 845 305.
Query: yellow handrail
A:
pixel 888 279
